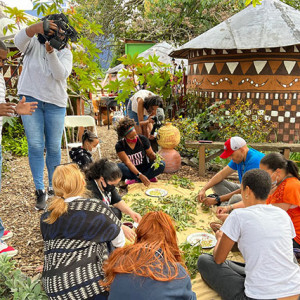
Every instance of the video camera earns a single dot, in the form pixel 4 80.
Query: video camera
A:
pixel 160 116
pixel 65 31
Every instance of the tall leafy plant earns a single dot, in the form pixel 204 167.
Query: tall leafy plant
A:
pixel 87 71
pixel 150 72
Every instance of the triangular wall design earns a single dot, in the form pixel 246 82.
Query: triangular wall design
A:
pixel 204 71
pixel 259 65
pixel 266 70
pixel 281 70
pixel 238 70
pixel 245 66
pixel 296 70
pixel 214 70
pixel 289 65
pixel 219 67
pixel 225 70
pixel 251 70
pixel 208 67
pixel 231 66
pixel 274 65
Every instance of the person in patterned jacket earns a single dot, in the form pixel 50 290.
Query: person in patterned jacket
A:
pixel 79 234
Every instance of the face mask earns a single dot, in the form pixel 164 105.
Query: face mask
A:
pixel 132 141
pixel 109 188
pixel 94 150
pixel 274 183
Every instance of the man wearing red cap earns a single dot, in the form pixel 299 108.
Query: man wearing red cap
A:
pixel 243 159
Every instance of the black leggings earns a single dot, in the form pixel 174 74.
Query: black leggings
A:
pixel 295 244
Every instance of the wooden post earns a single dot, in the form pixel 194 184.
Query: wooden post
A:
pixel 286 153
pixel 202 160
pixel 80 112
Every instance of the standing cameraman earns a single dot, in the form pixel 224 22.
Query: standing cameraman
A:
pixel 44 80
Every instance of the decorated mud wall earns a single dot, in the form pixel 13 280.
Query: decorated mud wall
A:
pixel 269 78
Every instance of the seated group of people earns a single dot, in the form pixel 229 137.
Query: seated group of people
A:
pixel 84 239
pixel 134 151
pixel 81 232
pixel 266 235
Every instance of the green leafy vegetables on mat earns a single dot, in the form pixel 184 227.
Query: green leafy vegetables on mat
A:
pixel 191 255
pixel 180 208
pixel 182 182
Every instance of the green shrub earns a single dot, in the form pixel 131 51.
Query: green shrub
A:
pixel 245 120
pixel 13 137
pixel 16 285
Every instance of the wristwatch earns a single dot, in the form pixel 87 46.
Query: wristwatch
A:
pixel 138 174
pixel 217 197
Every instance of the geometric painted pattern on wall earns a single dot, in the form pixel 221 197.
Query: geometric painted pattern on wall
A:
pixel 270 78
pixel 281 108
pixel 257 67
pixel 208 52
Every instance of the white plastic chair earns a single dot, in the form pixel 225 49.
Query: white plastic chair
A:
pixel 78 121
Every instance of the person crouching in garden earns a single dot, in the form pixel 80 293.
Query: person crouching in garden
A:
pixel 136 154
pixel 101 177
pixel 264 235
pixel 151 268
pixel 78 234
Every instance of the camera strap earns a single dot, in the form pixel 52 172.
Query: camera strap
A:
pixel 18 66
pixel 46 27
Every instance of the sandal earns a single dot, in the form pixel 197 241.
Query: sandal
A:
pixel 215 226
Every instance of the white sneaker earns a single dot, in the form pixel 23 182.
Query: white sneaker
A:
pixel 7 250
pixel 6 235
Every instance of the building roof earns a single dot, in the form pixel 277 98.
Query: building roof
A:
pixel 271 24
pixel 161 49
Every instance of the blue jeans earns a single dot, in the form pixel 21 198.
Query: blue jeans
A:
pixel 44 129
pixel 1 225
pixel 149 172
pixel 133 115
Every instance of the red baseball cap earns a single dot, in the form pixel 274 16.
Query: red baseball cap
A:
pixel 232 145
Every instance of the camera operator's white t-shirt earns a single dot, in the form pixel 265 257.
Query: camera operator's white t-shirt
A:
pixel 264 234
pixel 140 94
pixel 44 76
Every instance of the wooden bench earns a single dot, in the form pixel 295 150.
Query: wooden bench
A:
pixel 284 148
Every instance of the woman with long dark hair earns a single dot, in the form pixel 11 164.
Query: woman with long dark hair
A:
pixel 151 268
pixel 286 187
pixel 102 177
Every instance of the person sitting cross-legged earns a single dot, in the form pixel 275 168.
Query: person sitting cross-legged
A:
pixel 151 268
pixel 264 235
pixel 243 159
pixel 136 154
pixel 79 234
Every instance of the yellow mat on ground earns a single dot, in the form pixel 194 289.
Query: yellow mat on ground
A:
pixel 203 219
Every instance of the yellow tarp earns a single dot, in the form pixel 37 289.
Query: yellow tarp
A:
pixel 138 190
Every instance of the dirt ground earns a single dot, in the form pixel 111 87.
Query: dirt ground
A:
pixel 17 200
